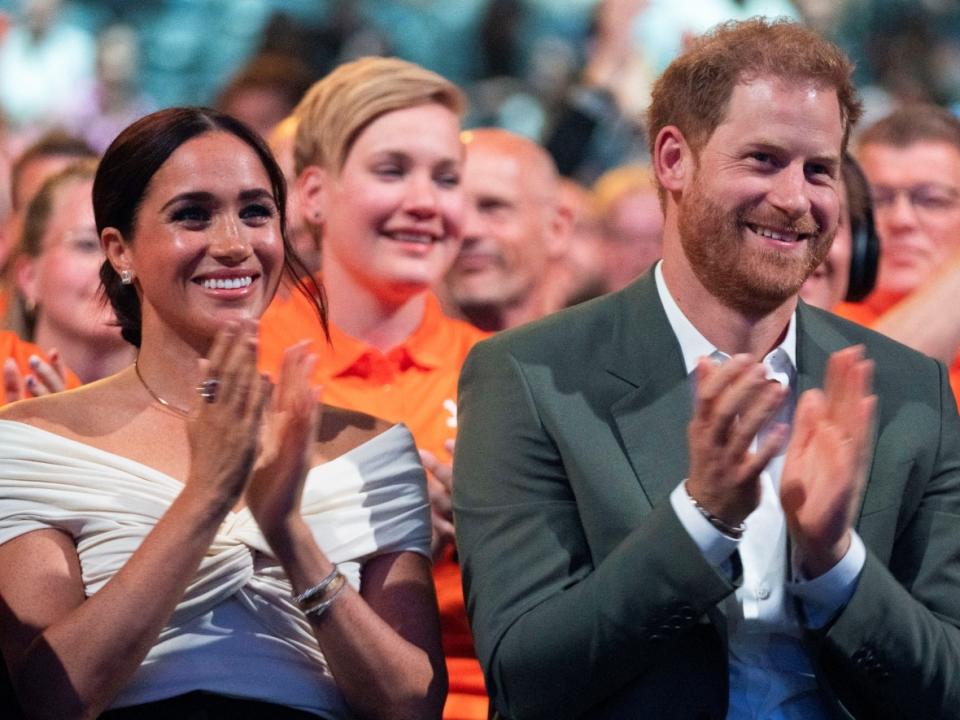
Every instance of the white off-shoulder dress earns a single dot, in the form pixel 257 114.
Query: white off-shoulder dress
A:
pixel 236 631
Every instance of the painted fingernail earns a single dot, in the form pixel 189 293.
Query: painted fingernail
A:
pixel 31 382
pixel 34 361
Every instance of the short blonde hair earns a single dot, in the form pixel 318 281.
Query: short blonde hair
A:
pixel 617 182
pixel 338 107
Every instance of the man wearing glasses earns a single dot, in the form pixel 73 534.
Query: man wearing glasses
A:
pixel 912 160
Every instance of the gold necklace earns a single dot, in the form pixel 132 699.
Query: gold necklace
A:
pixel 168 405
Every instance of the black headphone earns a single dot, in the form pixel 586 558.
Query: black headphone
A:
pixel 864 243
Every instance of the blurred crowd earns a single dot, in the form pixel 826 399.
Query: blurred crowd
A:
pixel 559 203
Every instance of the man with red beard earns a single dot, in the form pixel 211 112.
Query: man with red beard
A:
pixel 683 499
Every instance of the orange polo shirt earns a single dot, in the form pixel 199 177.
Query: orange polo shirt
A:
pixel 414 383
pixel 869 311
pixel 12 346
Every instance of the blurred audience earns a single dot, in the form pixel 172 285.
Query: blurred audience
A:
pixel 265 91
pixel 515 231
pixel 58 278
pixel 50 154
pixel 302 233
pixel 849 272
pixel 631 220
pixel 580 275
pixel 44 60
pixel 113 100
pixel 379 162
pixel 912 160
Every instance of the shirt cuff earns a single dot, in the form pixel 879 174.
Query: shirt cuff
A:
pixel 715 546
pixel 824 596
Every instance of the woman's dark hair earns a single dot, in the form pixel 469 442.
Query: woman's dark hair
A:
pixel 123 179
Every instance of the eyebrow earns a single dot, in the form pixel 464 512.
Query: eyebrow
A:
pixel 201 196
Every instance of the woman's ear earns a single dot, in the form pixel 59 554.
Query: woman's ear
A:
pixel 117 251
pixel 313 189
pixel 672 159
pixel 27 273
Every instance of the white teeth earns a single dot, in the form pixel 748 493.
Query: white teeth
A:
pixel 782 237
pixel 226 283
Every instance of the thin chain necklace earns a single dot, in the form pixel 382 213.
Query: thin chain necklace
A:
pixel 168 405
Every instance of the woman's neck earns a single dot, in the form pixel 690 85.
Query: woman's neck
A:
pixel 89 359
pixel 383 320
pixel 168 366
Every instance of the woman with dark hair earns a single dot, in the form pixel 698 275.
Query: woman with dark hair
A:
pixel 181 536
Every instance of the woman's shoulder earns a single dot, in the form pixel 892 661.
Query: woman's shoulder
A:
pixel 341 430
pixel 77 408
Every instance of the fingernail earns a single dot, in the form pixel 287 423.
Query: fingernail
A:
pixel 31 382
pixel 34 361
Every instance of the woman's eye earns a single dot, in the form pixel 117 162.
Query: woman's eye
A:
pixel 256 210
pixel 389 171
pixel 191 214
pixel 449 179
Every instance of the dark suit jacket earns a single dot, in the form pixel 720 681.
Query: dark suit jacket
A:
pixel 586 595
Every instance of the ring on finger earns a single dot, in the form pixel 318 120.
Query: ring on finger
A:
pixel 208 389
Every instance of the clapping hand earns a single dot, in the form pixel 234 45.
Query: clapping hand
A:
pixel 826 464
pixel 225 417
pixel 46 378
pixel 439 489
pixel 733 401
pixel 286 437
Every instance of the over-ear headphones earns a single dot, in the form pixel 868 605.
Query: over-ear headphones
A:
pixel 865 245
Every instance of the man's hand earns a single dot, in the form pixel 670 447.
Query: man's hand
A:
pixel 826 464
pixel 733 401
pixel 439 488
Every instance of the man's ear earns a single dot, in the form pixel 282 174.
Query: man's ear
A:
pixel 116 249
pixel 559 231
pixel 672 159
pixel 313 189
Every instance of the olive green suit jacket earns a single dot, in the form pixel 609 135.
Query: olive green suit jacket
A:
pixel 587 597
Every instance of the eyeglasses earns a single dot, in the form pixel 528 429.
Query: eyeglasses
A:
pixel 926 198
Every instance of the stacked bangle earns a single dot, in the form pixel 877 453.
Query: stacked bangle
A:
pixel 317 600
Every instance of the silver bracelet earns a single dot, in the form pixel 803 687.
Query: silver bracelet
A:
pixel 735 532
pixel 318 609
pixel 319 589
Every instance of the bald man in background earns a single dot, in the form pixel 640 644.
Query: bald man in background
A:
pixel 515 231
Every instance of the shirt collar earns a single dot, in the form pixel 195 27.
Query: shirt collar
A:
pixel 781 361
pixel 426 347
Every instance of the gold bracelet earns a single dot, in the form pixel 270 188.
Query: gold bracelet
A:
pixel 317 609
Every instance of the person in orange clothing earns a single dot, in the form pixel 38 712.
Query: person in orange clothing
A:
pixel 29 372
pixel 378 159
pixel 912 161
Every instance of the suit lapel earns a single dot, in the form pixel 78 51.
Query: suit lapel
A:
pixel 652 414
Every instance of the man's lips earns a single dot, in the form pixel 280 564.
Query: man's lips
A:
pixel 783 235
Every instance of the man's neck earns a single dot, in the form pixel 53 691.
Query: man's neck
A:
pixel 494 317
pixel 730 330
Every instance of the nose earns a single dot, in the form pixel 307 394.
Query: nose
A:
pixel 899 214
pixel 230 244
pixel 420 199
pixel 789 192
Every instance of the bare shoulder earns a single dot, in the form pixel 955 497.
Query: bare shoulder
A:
pixel 341 430
pixel 71 412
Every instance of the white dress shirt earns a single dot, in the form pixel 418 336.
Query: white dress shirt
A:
pixel 771 676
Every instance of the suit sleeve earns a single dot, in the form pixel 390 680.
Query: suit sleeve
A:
pixel 557 631
pixel 894 651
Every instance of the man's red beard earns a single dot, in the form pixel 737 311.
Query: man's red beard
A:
pixel 753 281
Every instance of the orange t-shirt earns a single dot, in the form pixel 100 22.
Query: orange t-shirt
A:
pixel 868 312
pixel 12 346
pixel 414 383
